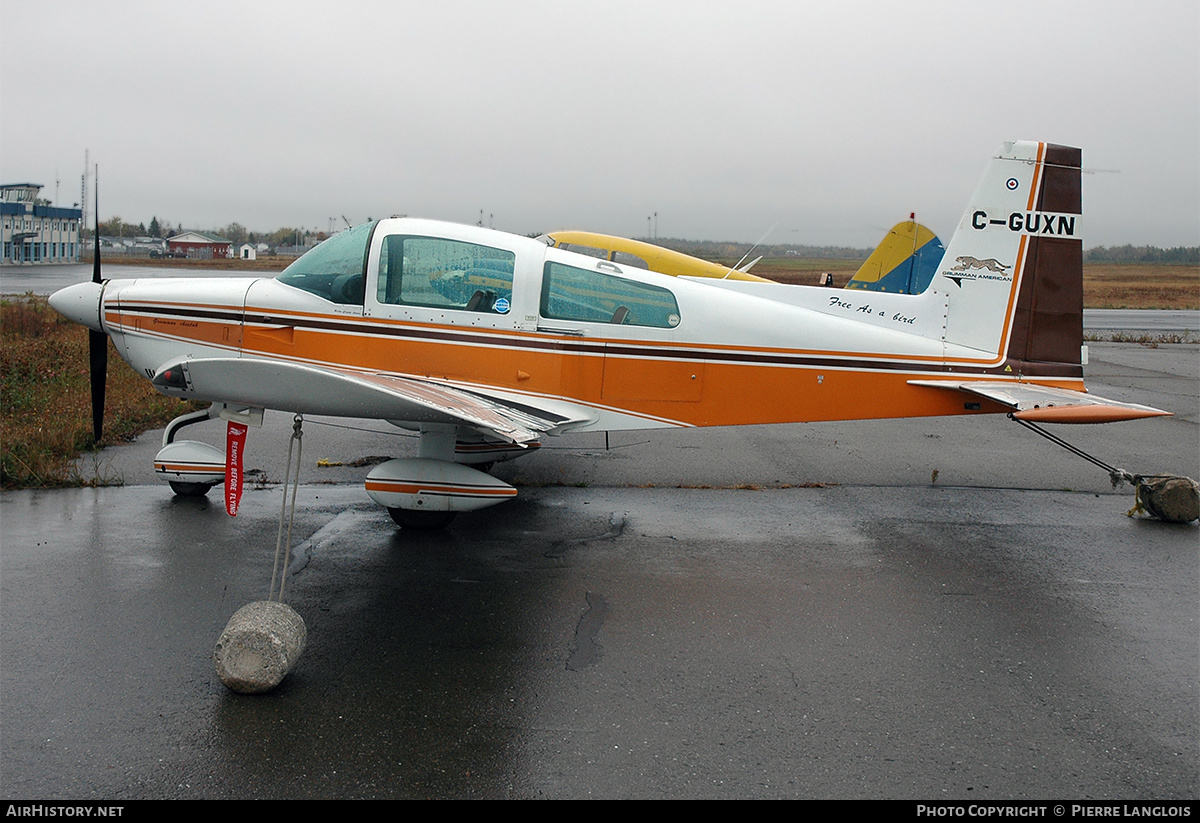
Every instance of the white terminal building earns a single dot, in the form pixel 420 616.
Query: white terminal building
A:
pixel 33 232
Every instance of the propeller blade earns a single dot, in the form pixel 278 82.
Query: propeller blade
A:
pixel 96 256
pixel 98 362
pixel 97 340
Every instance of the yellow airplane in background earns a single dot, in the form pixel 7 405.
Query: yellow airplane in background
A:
pixel 903 263
pixel 645 256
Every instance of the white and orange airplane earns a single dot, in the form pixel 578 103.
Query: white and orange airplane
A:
pixel 487 342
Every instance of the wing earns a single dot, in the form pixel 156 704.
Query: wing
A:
pixel 1047 404
pixel 273 384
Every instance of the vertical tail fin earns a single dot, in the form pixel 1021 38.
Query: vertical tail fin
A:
pixel 1014 269
pixel 904 262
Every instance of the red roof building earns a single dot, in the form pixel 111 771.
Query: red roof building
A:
pixel 198 245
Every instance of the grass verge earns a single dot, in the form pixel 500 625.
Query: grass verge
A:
pixel 45 400
pixel 1151 339
pixel 1105 285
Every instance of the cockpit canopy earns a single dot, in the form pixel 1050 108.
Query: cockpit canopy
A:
pixel 421 271
pixel 336 269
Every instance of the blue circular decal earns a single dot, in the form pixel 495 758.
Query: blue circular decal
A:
pixel 1012 184
pixel 501 305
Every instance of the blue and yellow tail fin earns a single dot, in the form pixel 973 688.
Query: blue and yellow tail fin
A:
pixel 903 263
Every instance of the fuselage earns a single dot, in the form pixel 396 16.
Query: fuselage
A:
pixel 508 315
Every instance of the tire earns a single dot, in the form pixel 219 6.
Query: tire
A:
pixel 420 519
pixel 189 489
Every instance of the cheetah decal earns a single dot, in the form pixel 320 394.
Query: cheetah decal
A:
pixel 991 264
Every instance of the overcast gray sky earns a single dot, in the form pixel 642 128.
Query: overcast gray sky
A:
pixel 832 120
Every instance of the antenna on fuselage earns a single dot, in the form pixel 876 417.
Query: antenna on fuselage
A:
pixel 750 251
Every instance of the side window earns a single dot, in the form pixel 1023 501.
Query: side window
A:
pixel 430 271
pixel 569 293
pixel 590 251
pixel 627 259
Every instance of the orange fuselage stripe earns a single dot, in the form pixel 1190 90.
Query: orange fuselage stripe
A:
pixel 710 386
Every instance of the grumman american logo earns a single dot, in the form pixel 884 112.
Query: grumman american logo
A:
pixel 991 264
pixel 972 268
pixel 1040 223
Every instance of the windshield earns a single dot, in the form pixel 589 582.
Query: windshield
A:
pixel 335 269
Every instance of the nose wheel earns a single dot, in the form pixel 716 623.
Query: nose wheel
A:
pixel 190 489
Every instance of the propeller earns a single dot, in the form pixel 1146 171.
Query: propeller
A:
pixel 97 340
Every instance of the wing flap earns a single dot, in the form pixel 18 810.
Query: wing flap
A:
pixel 305 389
pixel 1047 404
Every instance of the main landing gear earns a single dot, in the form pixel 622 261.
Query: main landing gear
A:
pixel 416 519
pixel 427 491
pixel 448 475
pixel 263 640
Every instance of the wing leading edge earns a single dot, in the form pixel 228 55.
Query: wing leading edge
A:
pixel 1047 404
pixel 307 389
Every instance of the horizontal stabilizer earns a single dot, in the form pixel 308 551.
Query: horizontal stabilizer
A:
pixel 1047 404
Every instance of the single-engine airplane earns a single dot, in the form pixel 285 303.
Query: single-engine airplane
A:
pixel 487 342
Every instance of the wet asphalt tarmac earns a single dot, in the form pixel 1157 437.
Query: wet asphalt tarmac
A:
pixel 844 624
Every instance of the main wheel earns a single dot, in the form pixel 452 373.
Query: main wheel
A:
pixel 189 489
pixel 421 519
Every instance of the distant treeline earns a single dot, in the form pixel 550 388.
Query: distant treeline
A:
pixel 1142 254
pixel 714 250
